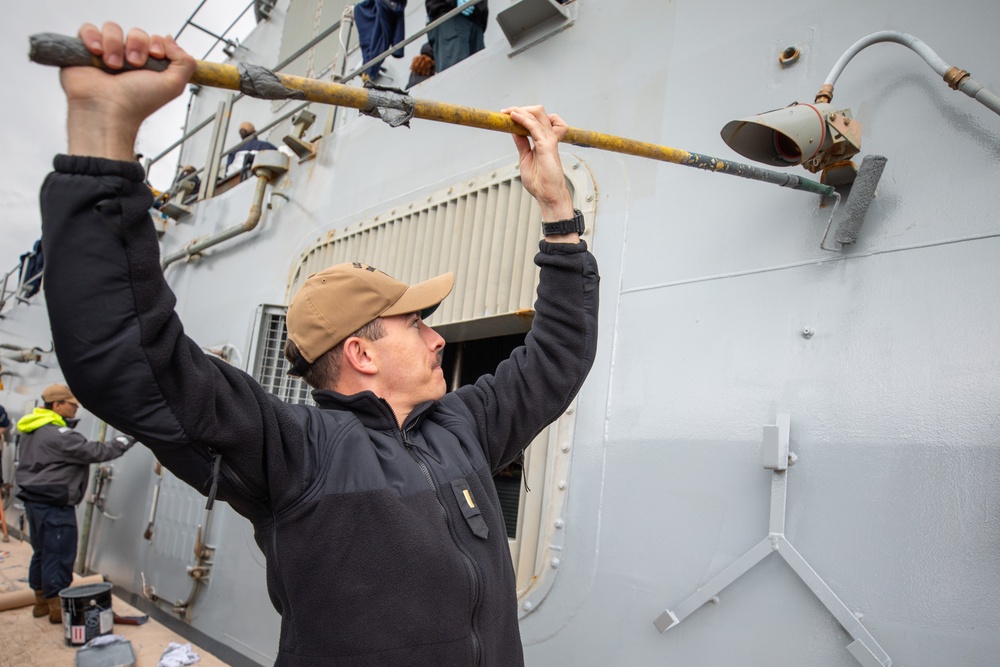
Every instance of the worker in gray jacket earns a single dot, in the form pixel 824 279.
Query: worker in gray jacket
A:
pixel 52 477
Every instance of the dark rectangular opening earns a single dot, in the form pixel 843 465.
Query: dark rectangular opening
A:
pixel 464 362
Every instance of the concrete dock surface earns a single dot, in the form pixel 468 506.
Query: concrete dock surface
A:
pixel 26 641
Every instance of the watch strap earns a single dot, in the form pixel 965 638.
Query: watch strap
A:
pixel 574 224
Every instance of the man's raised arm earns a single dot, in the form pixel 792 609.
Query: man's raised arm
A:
pixel 536 384
pixel 119 342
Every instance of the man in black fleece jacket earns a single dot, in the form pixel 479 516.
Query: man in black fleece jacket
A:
pixel 376 511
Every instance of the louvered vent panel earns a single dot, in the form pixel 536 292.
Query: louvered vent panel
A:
pixel 270 367
pixel 486 233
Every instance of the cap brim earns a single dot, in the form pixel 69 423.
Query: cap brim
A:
pixel 423 296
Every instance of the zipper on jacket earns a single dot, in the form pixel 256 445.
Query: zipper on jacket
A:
pixel 219 468
pixel 216 465
pixel 470 567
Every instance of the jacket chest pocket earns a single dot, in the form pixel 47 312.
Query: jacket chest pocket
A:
pixel 470 509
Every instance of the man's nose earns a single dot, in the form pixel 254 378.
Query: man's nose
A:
pixel 433 338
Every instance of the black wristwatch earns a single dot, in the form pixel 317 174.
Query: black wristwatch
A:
pixel 574 224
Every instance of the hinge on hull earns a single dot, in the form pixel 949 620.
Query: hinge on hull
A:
pixel 777 457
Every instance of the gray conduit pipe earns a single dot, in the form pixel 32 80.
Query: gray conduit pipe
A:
pixel 201 571
pixel 88 512
pixel 264 174
pixel 21 355
pixel 956 78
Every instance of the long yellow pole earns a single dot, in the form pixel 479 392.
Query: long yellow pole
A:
pixel 62 51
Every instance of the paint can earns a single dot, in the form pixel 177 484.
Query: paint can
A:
pixel 86 612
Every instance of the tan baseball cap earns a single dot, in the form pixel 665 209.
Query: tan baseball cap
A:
pixel 336 302
pixel 58 392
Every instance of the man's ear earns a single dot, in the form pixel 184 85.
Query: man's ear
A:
pixel 358 356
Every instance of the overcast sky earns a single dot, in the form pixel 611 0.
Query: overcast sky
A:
pixel 34 116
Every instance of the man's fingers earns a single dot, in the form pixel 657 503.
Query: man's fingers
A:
pixel 527 116
pixel 137 47
pixel 110 42
pixel 543 127
pixel 522 144
pixel 113 42
pixel 90 35
pixel 529 121
pixel 180 59
pixel 559 126
pixel 156 47
pixel 537 112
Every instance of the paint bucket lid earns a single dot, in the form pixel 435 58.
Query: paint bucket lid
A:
pixel 85 591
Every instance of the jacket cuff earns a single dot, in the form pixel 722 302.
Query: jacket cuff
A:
pixel 562 248
pixel 98 166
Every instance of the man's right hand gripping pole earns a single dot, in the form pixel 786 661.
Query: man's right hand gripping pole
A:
pixel 104 111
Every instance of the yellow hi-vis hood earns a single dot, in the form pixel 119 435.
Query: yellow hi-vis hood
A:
pixel 37 419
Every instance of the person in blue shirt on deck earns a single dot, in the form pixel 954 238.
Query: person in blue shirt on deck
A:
pixel 248 147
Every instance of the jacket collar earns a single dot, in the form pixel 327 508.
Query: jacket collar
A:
pixel 373 412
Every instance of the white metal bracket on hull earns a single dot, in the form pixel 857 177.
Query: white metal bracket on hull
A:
pixel 777 457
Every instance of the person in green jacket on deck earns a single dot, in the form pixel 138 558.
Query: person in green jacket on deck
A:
pixel 51 478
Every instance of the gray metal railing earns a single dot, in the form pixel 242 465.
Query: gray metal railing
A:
pixel 344 78
pixel 7 292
